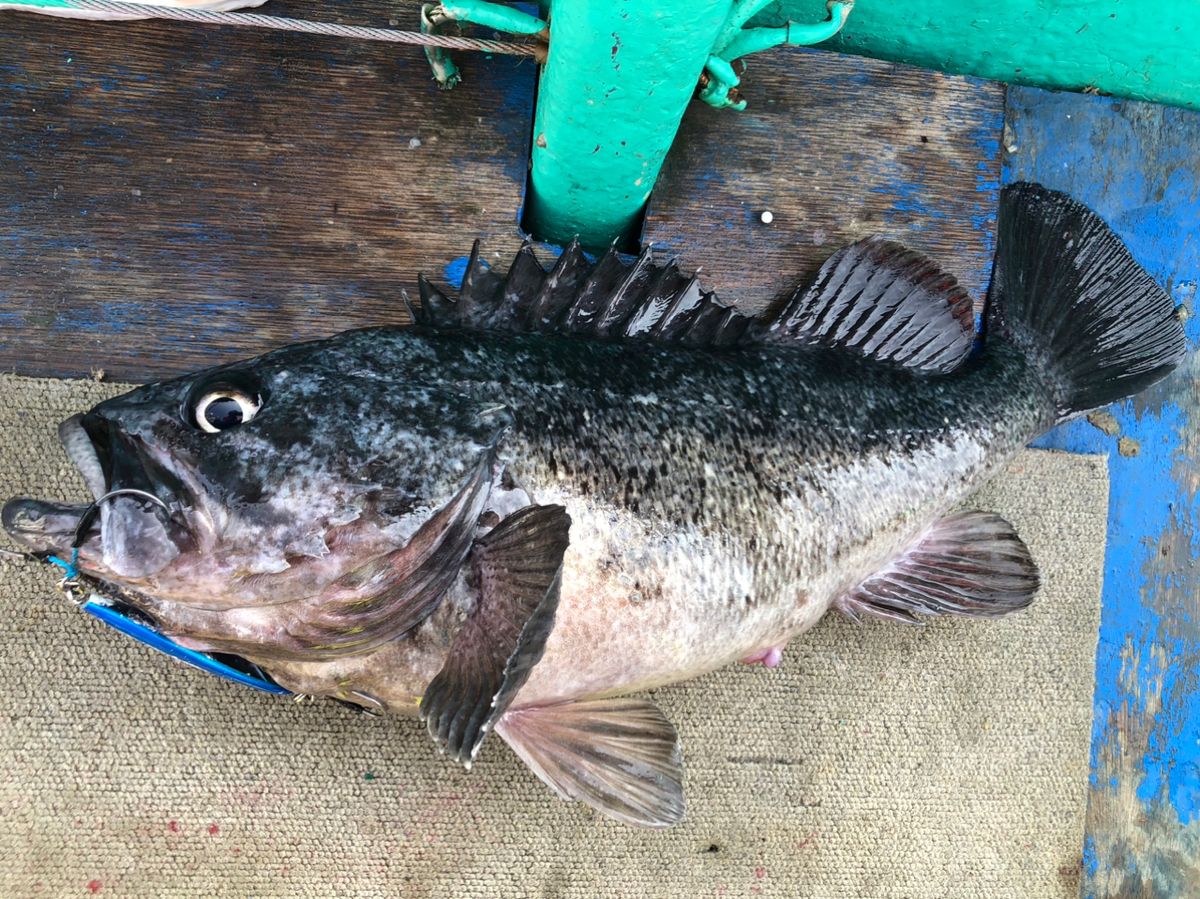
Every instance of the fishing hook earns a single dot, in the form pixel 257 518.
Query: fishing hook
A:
pixel 85 520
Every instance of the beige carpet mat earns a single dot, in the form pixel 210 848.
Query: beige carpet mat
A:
pixel 879 761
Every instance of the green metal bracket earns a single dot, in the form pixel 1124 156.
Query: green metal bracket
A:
pixel 492 15
pixel 718 86
pixel 477 12
pixel 736 41
pixel 791 34
pixel 1144 49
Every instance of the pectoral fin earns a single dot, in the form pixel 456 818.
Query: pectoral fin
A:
pixel 389 596
pixel 970 563
pixel 519 566
pixel 620 756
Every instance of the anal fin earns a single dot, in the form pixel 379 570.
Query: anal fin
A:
pixel 620 756
pixel 970 563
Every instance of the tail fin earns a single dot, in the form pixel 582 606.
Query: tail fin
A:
pixel 1066 291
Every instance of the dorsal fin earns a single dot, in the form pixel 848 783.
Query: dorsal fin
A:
pixel 436 308
pixel 678 317
pixel 611 298
pixel 521 286
pixel 661 293
pixel 600 283
pixel 881 300
pixel 626 295
pixel 559 289
pixel 482 293
pixel 875 298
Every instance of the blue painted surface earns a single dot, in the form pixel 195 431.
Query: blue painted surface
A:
pixel 1139 167
pixel 456 270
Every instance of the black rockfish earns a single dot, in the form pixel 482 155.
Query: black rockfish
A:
pixel 566 486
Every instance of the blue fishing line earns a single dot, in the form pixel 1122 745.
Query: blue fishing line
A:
pixel 70 569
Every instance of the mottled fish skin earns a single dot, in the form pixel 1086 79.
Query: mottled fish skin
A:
pixel 722 500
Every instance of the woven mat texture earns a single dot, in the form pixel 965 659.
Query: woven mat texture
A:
pixel 879 761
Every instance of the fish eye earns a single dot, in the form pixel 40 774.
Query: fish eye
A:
pixel 223 407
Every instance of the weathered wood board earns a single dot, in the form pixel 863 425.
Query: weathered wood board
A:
pixel 837 148
pixel 1138 165
pixel 174 195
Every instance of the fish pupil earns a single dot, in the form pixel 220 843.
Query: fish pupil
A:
pixel 223 412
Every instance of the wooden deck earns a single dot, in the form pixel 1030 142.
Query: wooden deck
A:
pixel 175 196
pixel 181 195
pixel 837 148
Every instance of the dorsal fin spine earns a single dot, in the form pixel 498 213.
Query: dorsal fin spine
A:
pixel 408 306
pixel 470 275
pixel 436 307
pixel 679 314
pixel 543 314
pixel 612 314
pixel 524 280
pixel 582 313
pixel 659 292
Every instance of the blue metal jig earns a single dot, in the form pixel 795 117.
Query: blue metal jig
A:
pixel 152 638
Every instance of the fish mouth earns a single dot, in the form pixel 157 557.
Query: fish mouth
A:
pixel 135 525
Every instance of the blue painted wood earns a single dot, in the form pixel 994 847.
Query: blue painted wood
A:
pixel 1139 166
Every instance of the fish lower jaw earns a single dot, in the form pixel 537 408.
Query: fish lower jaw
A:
pixel 43 526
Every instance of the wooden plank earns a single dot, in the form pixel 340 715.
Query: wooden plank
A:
pixel 1137 165
pixel 175 195
pixel 837 148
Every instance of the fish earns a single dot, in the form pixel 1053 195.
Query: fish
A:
pixel 524 506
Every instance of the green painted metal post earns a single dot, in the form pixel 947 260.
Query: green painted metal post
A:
pixel 1144 49
pixel 612 93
